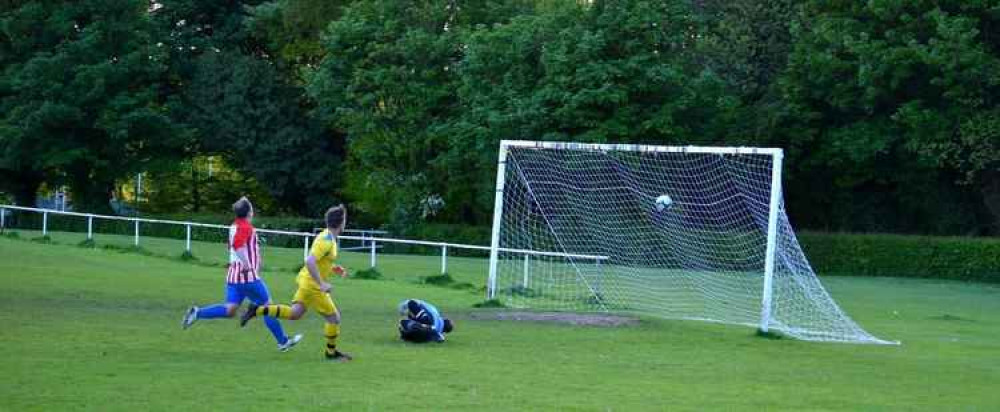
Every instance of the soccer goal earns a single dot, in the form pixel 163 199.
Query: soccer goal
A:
pixel 676 232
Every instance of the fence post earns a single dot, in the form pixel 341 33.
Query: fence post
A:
pixel 90 227
pixel 373 253
pixel 524 283
pixel 137 233
pixel 600 279
pixel 444 259
pixel 187 242
pixel 3 215
pixel 45 223
pixel 305 247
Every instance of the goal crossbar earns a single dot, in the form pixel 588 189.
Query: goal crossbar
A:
pixel 612 147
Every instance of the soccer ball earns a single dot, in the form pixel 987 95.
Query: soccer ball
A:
pixel 663 203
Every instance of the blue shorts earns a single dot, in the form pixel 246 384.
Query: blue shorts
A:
pixel 256 291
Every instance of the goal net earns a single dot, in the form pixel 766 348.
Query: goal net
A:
pixel 675 232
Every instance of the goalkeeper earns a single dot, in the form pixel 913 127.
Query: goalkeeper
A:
pixel 422 322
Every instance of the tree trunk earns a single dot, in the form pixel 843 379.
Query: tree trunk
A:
pixel 91 192
pixel 25 188
pixel 195 190
pixel 990 188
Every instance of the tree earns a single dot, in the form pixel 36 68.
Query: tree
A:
pixel 874 83
pixel 78 97
pixel 746 43
pixel 232 96
pixel 241 108
pixel 387 78
pixel 604 72
pixel 292 30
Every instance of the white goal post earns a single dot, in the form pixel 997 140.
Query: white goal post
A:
pixel 688 232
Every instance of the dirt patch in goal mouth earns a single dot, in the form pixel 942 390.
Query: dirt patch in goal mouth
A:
pixel 581 319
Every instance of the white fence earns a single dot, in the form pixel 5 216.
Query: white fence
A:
pixel 367 237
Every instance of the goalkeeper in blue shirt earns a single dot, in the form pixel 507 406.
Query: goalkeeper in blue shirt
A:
pixel 422 322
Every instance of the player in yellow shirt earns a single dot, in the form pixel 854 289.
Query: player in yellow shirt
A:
pixel 313 291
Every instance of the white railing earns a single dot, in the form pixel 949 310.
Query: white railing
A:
pixel 366 236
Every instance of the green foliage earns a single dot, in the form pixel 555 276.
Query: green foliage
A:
pixel 870 86
pixel 139 250
pixel 368 274
pixel 199 185
pixel 451 233
pixel 522 291
pixel 490 303
pixel 903 256
pixel 289 223
pixel 611 72
pixel 292 29
pixel 747 43
pixel 445 280
pixel 387 78
pixel 79 98
pixel 396 107
pixel 264 132
pixel 389 81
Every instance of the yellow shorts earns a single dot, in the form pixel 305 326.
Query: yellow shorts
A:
pixel 315 299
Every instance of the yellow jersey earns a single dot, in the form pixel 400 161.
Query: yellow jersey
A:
pixel 324 250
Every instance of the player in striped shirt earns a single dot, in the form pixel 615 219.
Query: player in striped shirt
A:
pixel 243 278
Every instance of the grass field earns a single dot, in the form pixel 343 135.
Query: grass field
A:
pixel 98 329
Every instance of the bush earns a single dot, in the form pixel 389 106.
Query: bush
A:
pixel 523 291
pixel 445 280
pixel 438 280
pixel 139 250
pixel 969 259
pixel 492 303
pixel 369 274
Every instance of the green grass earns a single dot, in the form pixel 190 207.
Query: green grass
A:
pixel 95 328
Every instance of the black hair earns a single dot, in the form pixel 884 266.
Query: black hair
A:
pixel 242 207
pixel 448 326
pixel 334 216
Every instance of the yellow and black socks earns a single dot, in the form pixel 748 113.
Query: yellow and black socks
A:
pixel 332 332
pixel 275 311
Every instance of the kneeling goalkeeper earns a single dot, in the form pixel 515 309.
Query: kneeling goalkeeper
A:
pixel 422 322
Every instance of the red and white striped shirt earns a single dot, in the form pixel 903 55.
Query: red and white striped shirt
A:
pixel 242 234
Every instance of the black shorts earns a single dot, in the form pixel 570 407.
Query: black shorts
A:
pixel 413 331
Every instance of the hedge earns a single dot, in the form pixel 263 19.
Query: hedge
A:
pixel 842 254
pixel 970 259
